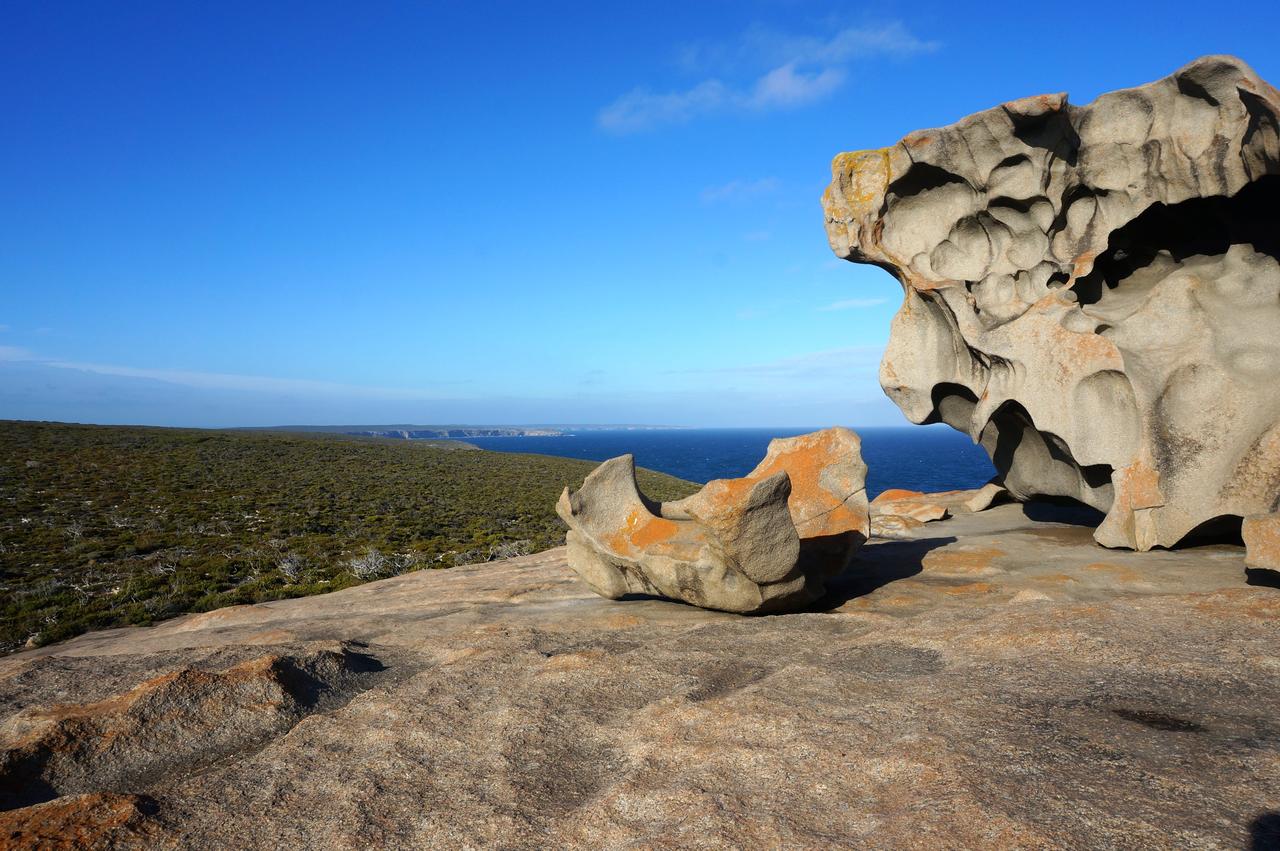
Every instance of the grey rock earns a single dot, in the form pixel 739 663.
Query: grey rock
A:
pixel 766 542
pixel 1092 292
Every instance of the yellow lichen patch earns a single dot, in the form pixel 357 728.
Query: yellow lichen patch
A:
pixel 970 588
pixel 955 562
pixel 1141 486
pixel 573 661
pixel 1119 571
pixel 863 177
pixel 621 622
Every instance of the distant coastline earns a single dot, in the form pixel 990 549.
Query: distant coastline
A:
pixel 439 432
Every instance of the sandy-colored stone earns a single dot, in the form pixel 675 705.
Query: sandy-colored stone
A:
pixel 893 527
pixel 763 543
pixel 904 503
pixel 1037 700
pixel 896 513
pixel 1261 534
pixel 1091 292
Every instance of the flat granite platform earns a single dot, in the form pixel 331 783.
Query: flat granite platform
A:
pixel 998 681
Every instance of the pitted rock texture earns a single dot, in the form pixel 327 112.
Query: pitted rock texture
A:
pixel 179 721
pixel 995 682
pixel 763 543
pixel 1091 292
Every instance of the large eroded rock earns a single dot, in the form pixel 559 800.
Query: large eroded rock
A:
pixel 1092 292
pixel 765 542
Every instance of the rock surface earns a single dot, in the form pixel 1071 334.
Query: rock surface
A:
pixel 897 513
pixel 763 543
pixel 997 681
pixel 1261 535
pixel 1091 292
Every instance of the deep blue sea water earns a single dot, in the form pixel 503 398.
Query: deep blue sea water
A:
pixel 923 458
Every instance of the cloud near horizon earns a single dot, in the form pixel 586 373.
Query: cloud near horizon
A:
pixel 739 190
pixel 829 363
pixel 854 304
pixel 221 381
pixel 801 70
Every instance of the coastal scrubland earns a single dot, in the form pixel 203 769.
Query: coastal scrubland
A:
pixel 105 526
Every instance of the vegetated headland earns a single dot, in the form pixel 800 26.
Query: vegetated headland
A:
pixel 105 526
pixel 454 432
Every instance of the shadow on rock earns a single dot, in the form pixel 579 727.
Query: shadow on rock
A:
pixel 875 567
pixel 1065 511
pixel 1264 832
pixel 1262 577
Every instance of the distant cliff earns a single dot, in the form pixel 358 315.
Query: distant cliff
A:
pixel 449 432
pixel 443 432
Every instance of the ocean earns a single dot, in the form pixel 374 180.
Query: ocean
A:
pixel 923 458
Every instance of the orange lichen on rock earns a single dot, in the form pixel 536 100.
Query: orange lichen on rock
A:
pixel 640 532
pixel 895 494
pixel 1119 571
pixel 99 820
pixel 957 562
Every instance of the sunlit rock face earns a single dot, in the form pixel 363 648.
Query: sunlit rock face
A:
pixel 767 542
pixel 1091 292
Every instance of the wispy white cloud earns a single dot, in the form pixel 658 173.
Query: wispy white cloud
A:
pixel 640 108
pixel 758 45
pixel 811 366
pixel 223 381
pixel 738 190
pixel 854 304
pixel 783 87
pixel 775 70
pixel 11 353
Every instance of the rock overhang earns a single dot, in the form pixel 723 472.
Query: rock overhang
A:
pixel 1091 292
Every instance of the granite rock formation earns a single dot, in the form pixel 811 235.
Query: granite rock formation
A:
pixel 997 681
pixel 763 543
pixel 1092 293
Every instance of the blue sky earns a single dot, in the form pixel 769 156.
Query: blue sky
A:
pixel 249 214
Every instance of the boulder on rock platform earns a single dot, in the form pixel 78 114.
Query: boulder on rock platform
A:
pixel 765 542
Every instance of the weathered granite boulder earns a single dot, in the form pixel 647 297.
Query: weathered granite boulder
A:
pixel 766 542
pixel 1091 292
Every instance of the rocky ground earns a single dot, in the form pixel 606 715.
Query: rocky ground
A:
pixel 990 680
